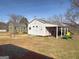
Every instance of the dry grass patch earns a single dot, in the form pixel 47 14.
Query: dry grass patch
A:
pixel 60 49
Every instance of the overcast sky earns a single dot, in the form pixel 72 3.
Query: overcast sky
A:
pixel 31 8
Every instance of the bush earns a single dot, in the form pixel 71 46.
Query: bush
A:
pixel 67 37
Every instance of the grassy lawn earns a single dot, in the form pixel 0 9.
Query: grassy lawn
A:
pixel 49 46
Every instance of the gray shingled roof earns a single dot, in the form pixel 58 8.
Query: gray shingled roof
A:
pixel 43 21
pixel 48 22
pixel 19 21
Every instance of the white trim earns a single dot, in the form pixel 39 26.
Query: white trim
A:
pixel 57 32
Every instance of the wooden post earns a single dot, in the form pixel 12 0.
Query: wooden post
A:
pixel 67 29
pixel 61 31
pixel 57 32
pixel 64 31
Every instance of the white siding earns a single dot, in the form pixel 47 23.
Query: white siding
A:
pixel 37 28
pixel 40 29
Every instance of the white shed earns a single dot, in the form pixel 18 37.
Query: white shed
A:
pixel 42 28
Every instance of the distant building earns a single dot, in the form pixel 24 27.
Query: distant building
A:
pixel 44 28
pixel 20 26
pixel 3 27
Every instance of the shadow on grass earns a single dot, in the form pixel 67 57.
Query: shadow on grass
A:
pixel 15 52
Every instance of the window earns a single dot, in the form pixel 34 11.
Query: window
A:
pixel 33 26
pixel 36 26
pixel 29 28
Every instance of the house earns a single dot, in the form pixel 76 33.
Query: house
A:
pixel 44 28
pixel 3 27
pixel 20 26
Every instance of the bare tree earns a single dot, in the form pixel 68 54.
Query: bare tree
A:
pixel 13 18
pixel 56 19
pixel 16 21
pixel 75 3
pixel 72 16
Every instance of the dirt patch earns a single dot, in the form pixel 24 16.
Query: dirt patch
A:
pixel 75 37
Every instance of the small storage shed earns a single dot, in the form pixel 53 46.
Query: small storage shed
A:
pixel 44 28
